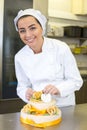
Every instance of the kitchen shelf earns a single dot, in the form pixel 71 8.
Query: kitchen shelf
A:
pixel 81 38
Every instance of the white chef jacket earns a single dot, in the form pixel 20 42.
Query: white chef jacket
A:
pixel 55 65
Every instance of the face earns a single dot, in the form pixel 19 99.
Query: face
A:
pixel 30 33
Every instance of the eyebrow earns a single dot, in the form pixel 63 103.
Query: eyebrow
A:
pixel 31 25
pixel 28 26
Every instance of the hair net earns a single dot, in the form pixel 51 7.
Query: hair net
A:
pixel 35 13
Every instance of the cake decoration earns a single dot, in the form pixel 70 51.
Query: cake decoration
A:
pixel 46 97
pixel 41 111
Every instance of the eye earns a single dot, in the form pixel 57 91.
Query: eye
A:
pixel 22 31
pixel 32 28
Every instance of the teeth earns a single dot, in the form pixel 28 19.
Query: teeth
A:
pixel 30 39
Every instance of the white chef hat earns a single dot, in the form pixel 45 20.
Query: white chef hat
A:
pixel 35 13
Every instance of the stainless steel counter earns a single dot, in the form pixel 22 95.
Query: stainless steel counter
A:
pixel 73 118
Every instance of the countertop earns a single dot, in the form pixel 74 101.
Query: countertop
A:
pixel 73 118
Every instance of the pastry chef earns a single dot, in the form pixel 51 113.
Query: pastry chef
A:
pixel 44 64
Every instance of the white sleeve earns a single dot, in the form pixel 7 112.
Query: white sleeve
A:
pixel 72 78
pixel 23 81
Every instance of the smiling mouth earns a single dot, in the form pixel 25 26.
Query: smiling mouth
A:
pixel 30 40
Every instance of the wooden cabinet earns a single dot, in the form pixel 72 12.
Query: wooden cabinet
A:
pixel 60 5
pixel 79 7
pixel 60 12
pixel 49 6
pixel 81 95
pixel 11 105
pixel 41 5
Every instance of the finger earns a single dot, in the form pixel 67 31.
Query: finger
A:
pixel 54 91
pixel 27 97
pixel 48 89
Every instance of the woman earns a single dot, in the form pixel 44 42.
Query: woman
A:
pixel 44 64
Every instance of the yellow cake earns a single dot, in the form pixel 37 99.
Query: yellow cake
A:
pixel 39 113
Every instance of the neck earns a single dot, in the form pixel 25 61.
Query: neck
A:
pixel 38 49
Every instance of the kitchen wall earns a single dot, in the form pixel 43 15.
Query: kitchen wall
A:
pixel 1 33
pixel 1 19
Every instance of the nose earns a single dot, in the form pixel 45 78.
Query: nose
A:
pixel 28 34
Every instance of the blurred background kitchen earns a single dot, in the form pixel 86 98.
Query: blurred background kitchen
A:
pixel 67 21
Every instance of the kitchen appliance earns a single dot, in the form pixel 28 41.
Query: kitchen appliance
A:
pixel 9 45
pixel 55 31
pixel 72 31
pixel 84 32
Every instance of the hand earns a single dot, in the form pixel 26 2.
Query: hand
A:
pixel 29 93
pixel 51 89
